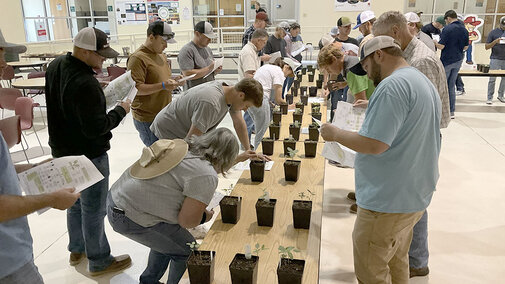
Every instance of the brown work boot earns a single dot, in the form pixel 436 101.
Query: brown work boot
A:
pixel 76 258
pixel 414 272
pixel 120 262
pixel 351 196
pixel 354 208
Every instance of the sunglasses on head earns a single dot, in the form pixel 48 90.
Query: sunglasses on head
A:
pixel 168 36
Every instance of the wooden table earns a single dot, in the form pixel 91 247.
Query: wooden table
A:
pixel 475 73
pixel 33 64
pixel 34 83
pixel 229 239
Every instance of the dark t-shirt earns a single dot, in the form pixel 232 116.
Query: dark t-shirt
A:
pixel 454 37
pixel 430 30
pixel 275 44
pixel 348 40
pixel 498 51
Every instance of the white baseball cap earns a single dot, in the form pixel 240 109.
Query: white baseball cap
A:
pixel 334 31
pixel 95 40
pixel 374 44
pixel 364 17
pixel 412 17
pixel 293 64
pixel 206 29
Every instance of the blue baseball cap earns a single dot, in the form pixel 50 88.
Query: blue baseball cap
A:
pixel 364 17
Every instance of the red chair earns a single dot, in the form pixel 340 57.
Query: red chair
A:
pixel 8 98
pixel 24 108
pixel 115 71
pixel 11 131
pixel 9 75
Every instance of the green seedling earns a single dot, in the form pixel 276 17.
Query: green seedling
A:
pixel 193 246
pixel 229 190
pixel 298 111
pixel 292 153
pixel 258 249
pixel 315 109
pixel 277 108
pixel 266 195
pixel 296 124
pixel 287 252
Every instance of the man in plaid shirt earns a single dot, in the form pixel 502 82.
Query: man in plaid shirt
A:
pixel 260 23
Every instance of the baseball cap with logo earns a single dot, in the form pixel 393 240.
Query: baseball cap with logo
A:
pixel 162 29
pixel 95 40
pixel 206 29
pixel 412 17
pixel 343 22
pixel 371 46
pixel 364 17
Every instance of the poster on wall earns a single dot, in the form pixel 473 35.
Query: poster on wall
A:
pixel 131 12
pixel 472 24
pixel 352 5
pixel 167 11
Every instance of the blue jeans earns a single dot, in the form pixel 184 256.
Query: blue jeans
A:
pixel 287 85
pixel 469 52
pixel 166 241
pixel 451 73
pixel 335 97
pixel 261 118
pixel 145 133
pixel 85 221
pixel 249 123
pixel 28 273
pixel 418 252
pixel 460 86
pixel 495 64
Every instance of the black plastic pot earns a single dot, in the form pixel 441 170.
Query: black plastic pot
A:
pixel 310 148
pixel 479 67
pixel 284 108
pixel 304 100
pixel 265 212
pixel 312 91
pixel 292 170
pixel 313 133
pixel 230 209
pixel 294 131
pixel 304 71
pixel 277 116
pixel 320 77
pixel 243 270
pixel 485 69
pixel 201 267
pixel 313 105
pixel 319 84
pixel 274 130
pixel 303 90
pixel 301 214
pixel 311 78
pixel 257 169
pixel 289 99
pixel 300 105
pixel 288 143
pixel 296 84
pixel 316 115
pixel 294 91
pixel 297 117
pixel 290 271
pixel 267 145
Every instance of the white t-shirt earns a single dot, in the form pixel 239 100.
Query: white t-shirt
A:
pixel 269 75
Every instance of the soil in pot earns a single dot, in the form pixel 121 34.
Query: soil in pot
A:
pixel 277 116
pixel 301 213
pixel 319 84
pixel 291 143
pixel 304 100
pixel 312 91
pixel 267 145
pixel 289 99
pixel 303 90
pixel 294 91
pixel 294 131
pixel 292 170
pixel 275 130
pixel 265 212
pixel 310 148
pixel 230 209
pixel 297 117
pixel 284 108
pixel 243 270
pixel 290 271
pixel 316 115
pixel 201 267
pixel 313 133
pixel 311 78
pixel 257 169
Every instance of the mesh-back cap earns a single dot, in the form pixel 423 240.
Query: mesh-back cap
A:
pixel 95 40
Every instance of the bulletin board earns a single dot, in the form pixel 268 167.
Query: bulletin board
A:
pixel 168 11
pixel 131 12
pixel 352 5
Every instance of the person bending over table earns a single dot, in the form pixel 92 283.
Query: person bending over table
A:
pixel 167 191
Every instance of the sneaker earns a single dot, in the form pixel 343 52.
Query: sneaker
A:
pixel 351 196
pixel 501 99
pixel 76 258
pixel 120 262
pixel 414 272
pixel 489 102
pixel 469 62
pixel 460 93
pixel 452 115
pixel 354 208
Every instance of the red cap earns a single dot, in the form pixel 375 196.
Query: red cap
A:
pixel 472 20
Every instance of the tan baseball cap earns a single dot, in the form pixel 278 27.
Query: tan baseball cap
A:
pixel 371 46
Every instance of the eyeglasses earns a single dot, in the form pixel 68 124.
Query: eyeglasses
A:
pixel 168 36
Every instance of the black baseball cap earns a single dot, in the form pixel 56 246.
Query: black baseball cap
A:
pixel 163 29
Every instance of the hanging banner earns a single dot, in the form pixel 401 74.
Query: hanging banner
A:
pixel 352 5
pixel 131 12
pixel 167 11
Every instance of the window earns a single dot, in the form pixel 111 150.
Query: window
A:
pixel 62 19
pixel 489 10
pixel 220 13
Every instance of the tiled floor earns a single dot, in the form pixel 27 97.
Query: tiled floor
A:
pixel 466 225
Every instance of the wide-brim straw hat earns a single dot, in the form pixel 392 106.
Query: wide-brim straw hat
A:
pixel 159 158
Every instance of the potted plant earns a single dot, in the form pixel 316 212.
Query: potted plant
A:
pixel 294 90
pixel 200 265
pixel 302 210
pixel 257 168
pixel 292 167
pixel 297 115
pixel 277 114
pixel 289 142
pixel 321 77
pixel 316 113
pixel 289 271
pixel 304 99
pixel 244 267
pixel 284 107
pixel 296 83
pixel 265 207
pixel 313 105
pixel 267 145
pixel 303 90
pixel 319 84
pixel 294 130
pixel 485 68
pixel 304 71
pixel 310 148
pixel 312 91
pixel 310 68
pixel 299 77
pixel 275 130
pixel 289 99
pixel 311 77
pixel 313 131
pixel 230 209
pixel 300 105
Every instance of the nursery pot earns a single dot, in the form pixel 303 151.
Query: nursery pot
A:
pixel 292 170
pixel 304 100
pixel 230 209
pixel 313 105
pixel 267 145
pixel 296 83
pixel 301 213
pixel 294 91
pixel 265 212
pixel 290 271
pixel 201 267
pixel 319 84
pixel 297 117
pixel 243 270
pixel 275 130
pixel 311 77
pixel 303 90
pixel 485 69
pixel 313 134
pixel 284 108
pixel 294 131
pixel 277 116
pixel 257 169
pixel 289 99
pixel 321 77
pixel 289 143
pixel 310 148
pixel 316 115
pixel 304 71
pixel 312 91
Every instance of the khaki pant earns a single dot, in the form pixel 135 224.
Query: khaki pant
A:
pixel 381 244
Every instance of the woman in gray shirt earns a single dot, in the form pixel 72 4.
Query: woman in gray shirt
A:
pixel 167 191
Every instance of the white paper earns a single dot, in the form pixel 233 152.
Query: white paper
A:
pixel 66 172
pixel 217 63
pixel 348 118
pixel 502 40
pixel 215 200
pixel 317 121
pixel 186 78
pixel 304 130
pixel 244 166
pixel 238 7
pixel 120 89
pixel 436 37
pixel 298 51
pixel 315 100
pixel 274 56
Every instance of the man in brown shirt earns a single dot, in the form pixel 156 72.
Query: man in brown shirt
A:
pixel 151 71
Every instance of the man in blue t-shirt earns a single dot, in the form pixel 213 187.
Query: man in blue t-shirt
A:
pixel 396 168
pixel 453 42
pixel 496 41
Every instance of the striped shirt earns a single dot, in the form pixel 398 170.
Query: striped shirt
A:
pixel 419 56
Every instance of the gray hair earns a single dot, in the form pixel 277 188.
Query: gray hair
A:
pixel 259 33
pixel 384 24
pixel 219 147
